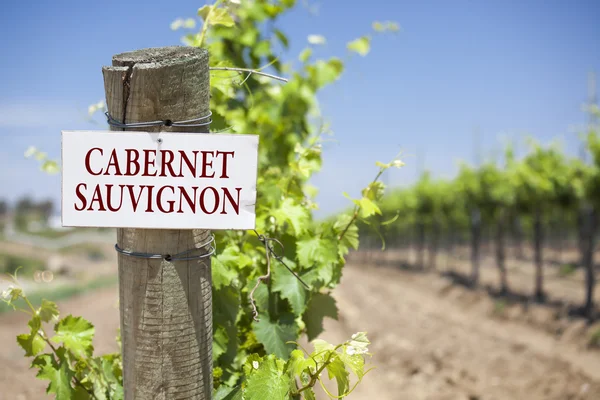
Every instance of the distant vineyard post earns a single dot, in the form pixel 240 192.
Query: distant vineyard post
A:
pixel 165 307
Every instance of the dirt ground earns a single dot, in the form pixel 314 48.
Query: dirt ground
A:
pixel 431 339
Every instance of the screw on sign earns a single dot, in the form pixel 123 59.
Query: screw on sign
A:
pixel 164 185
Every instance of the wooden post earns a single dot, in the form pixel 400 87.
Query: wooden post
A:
pixel 166 307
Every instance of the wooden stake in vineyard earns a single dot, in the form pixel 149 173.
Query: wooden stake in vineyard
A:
pixel 165 306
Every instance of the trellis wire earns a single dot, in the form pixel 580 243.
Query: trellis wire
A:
pixel 182 256
pixel 270 252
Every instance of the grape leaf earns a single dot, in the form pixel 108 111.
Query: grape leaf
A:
pixel 268 382
pixel 299 364
pixel 362 45
pixel 290 288
pixel 76 334
pixel 325 72
pixel 293 213
pixel 316 250
pixel 368 208
pixel 274 335
pixel 218 16
pixel 336 369
pixel 48 310
pixel 31 342
pixel 354 362
pixel 57 373
pixel 350 230
pixel 227 393
pixel 320 306
pixel 224 269
pixel 220 341
pixel 309 394
pixel 305 54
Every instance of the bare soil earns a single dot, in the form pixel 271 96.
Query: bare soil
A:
pixel 431 339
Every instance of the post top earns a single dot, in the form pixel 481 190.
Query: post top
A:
pixel 159 55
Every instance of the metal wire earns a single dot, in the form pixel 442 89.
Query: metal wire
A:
pixel 278 257
pixel 182 256
pixel 186 124
pixel 270 253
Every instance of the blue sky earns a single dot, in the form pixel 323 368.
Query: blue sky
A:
pixel 501 68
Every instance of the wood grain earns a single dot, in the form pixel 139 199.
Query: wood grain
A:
pixel 166 307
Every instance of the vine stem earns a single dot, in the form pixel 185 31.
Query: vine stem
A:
pixel 258 281
pixel 42 333
pixel 77 381
pixel 357 208
pixel 315 377
pixel 206 23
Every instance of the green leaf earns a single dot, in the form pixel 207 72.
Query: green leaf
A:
pixel 321 348
pixel 336 369
pixel 274 335
pixel 325 72
pixel 321 305
pixel 368 208
pixel 374 191
pixel 76 334
pixel 79 393
pixel 293 213
pixel 290 288
pixel 305 55
pixel 220 341
pixel 228 262
pixel 316 250
pixel 267 382
pixel 58 373
pixel 32 343
pixel 298 363
pixel 228 393
pixel 216 16
pixel 282 38
pixel 188 23
pixel 309 394
pixel 354 362
pixel 13 292
pixel 261 296
pixel 361 45
pixel 385 26
pixel 350 238
pixel 50 167
pixel 359 343
pixel 48 310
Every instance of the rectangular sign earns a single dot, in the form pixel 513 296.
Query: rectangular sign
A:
pixel 159 180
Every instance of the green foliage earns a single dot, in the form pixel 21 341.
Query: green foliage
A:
pixel 544 179
pixel 46 165
pixel 273 378
pixel 65 356
pixel 244 35
pixel 74 372
pixel 256 359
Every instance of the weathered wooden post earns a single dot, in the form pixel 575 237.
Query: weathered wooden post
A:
pixel 166 307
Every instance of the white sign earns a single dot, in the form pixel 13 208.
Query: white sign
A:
pixel 159 180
